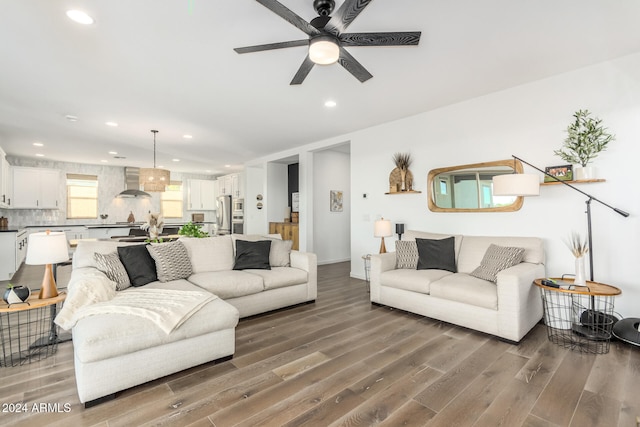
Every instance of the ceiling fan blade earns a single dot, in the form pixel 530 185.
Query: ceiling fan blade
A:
pixel 270 46
pixel 345 15
pixel 353 66
pixel 407 38
pixel 304 69
pixel 286 14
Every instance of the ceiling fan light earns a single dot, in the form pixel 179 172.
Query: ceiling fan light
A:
pixel 324 50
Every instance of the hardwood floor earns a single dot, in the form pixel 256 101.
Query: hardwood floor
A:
pixel 345 362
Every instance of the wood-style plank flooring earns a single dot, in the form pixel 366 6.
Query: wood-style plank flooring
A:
pixel 345 362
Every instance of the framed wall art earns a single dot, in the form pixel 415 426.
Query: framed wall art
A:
pixel 335 200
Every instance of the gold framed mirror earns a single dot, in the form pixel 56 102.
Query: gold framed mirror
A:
pixel 468 188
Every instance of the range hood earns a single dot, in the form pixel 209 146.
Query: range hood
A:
pixel 132 184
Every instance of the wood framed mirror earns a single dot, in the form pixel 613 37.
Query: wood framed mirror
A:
pixel 468 188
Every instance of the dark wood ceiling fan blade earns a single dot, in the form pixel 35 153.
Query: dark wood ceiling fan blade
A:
pixel 406 38
pixel 303 71
pixel 286 14
pixel 353 66
pixel 271 46
pixel 345 15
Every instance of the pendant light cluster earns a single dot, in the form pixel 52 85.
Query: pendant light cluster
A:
pixel 154 179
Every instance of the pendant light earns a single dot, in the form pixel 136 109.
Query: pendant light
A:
pixel 154 179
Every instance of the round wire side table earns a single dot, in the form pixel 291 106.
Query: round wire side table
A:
pixel 579 318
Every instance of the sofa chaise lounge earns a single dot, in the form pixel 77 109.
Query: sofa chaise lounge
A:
pixel 116 348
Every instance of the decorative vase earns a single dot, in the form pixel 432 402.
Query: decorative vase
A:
pixel 403 177
pixel 581 276
pixel 585 172
pixel 16 294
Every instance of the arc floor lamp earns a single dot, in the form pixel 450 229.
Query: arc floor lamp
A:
pixel 529 185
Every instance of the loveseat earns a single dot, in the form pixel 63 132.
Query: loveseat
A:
pixel 133 329
pixel 479 282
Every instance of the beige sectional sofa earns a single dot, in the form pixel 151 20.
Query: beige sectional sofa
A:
pixel 507 308
pixel 115 347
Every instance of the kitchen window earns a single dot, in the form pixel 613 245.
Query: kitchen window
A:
pixel 171 200
pixel 82 196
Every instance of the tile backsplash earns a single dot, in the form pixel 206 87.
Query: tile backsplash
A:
pixel 111 182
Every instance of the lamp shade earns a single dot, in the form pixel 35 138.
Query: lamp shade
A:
pixel 324 50
pixel 517 184
pixel 47 248
pixel 382 228
pixel 154 179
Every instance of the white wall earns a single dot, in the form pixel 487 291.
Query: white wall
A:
pixel 255 219
pixel 331 230
pixel 277 189
pixel 528 121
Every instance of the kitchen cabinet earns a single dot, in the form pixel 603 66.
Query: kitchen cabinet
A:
pixel 13 249
pixel 5 181
pixel 232 185
pixel 288 231
pixel 201 195
pixel 35 188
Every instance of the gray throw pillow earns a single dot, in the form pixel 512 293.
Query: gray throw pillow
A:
pixel 111 265
pixel 172 260
pixel 437 254
pixel 496 259
pixel 252 255
pixel 406 254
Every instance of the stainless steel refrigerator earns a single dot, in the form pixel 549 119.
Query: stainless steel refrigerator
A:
pixel 223 214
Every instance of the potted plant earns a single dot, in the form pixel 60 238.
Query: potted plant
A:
pixel 16 294
pixel 192 230
pixel 586 138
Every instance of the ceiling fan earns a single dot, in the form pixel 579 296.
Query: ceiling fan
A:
pixel 327 41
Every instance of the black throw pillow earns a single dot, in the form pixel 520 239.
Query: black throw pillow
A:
pixel 436 254
pixel 140 267
pixel 252 255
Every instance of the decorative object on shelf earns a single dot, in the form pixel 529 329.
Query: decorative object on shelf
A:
pixel 579 249
pixel 46 249
pixel 154 179
pixel 401 176
pixel 558 173
pixel 399 230
pixel 154 225
pixel 382 229
pixel 104 217
pixel 16 294
pixel 4 222
pixel 131 219
pixel 192 230
pixel 588 211
pixel 586 138
pixel 335 200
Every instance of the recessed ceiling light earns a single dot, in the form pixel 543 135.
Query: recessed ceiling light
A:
pixel 38 144
pixel 39 155
pixel 112 124
pixel 175 160
pixel 71 118
pixel 187 136
pixel 104 161
pixel 330 103
pixel 208 171
pixel 113 153
pixel 80 17
pixel 227 166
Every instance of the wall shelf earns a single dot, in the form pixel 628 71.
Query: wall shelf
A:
pixel 406 192
pixel 579 181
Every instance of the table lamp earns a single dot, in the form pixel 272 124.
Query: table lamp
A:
pixel 382 229
pixel 46 249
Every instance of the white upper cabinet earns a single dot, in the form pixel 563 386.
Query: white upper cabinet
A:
pixel 35 188
pixel 232 185
pixel 5 181
pixel 201 195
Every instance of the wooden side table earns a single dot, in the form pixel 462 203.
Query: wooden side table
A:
pixel 580 318
pixel 27 331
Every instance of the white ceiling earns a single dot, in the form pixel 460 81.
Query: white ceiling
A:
pixel 169 65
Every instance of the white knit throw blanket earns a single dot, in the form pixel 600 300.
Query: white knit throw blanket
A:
pixel 165 307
